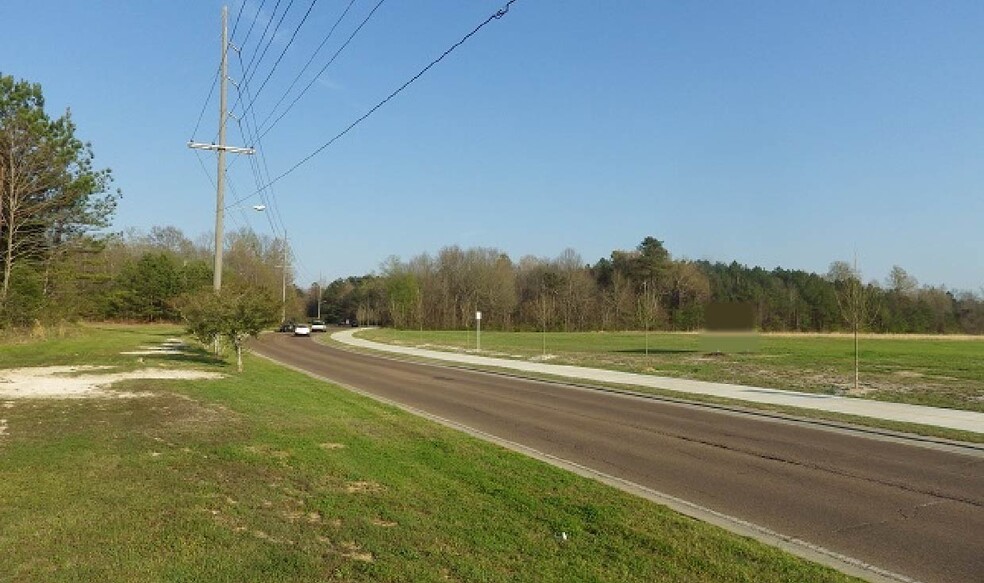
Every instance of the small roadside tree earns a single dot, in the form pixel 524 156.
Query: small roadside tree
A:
pixel 234 314
pixel 855 302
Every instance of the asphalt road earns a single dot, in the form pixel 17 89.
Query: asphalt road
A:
pixel 908 509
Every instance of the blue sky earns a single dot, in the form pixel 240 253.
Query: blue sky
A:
pixel 773 133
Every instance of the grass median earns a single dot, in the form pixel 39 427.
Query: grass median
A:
pixel 271 475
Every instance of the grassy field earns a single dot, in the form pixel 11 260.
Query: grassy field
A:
pixel 936 371
pixel 273 476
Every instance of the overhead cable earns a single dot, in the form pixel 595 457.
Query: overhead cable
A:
pixel 256 15
pixel 250 69
pixel 308 64
pixel 253 98
pixel 201 115
pixel 497 15
pixel 264 131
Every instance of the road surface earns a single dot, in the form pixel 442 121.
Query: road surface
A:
pixel 904 508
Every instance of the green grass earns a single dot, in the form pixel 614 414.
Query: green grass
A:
pixel 936 371
pixel 82 344
pixel 274 476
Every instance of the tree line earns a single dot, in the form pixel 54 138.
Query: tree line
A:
pixel 58 263
pixel 635 289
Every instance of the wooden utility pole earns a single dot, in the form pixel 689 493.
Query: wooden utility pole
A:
pixel 283 311
pixel 221 148
pixel 220 173
pixel 857 324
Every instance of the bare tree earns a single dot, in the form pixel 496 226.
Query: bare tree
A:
pixel 854 302
pixel 901 282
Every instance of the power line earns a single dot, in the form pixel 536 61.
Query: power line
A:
pixel 250 70
pixel 235 25
pixel 497 15
pixel 251 25
pixel 297 29
pixel 239 49
pixel 301 73
pixel 264 171
pixel 307 64
pixel 215 80
pixel 265 28
pixel 249 134
pixel 204 169
pixel 264 131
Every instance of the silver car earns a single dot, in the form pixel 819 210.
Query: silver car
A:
pixel 302 330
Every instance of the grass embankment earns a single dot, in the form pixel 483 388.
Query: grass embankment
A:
pixel 274 476
pixel 936 371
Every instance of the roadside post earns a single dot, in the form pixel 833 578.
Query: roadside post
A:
pixel 478 330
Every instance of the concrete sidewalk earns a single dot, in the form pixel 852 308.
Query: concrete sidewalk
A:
pixel 949 418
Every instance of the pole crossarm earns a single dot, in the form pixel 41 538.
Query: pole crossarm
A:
pixel 221 147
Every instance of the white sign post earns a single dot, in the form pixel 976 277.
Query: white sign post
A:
pixel 478 330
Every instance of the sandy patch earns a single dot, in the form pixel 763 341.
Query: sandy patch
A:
pixel 330 446
pixel 169 346
pixel 264 536
pixel 79 382
pixel 363 487
pixel 354 551
pixel 382 523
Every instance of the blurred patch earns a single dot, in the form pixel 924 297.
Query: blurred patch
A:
pixel 729 328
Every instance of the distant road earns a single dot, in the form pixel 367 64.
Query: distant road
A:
pixel 907 509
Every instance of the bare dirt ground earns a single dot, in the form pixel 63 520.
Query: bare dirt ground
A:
pixel 79 382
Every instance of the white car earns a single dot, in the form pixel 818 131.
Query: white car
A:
pixel 318 326
pixel 302 330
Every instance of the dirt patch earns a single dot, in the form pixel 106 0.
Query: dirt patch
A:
pixel 264 536
pixel 267 451
pixel 313 517
pixel 330 446
pixel 363 488
pixel 382 523
pixel 351 550
pixel 170 346
pixel 81 382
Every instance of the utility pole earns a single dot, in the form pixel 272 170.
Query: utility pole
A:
pixel 283 311
pixel 857 311
pixel 221 148
pixel 319 296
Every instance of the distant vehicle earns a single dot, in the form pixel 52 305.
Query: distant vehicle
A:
pixel 318 326
pixel 286 327
pixel 302 330
pixel 354 323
